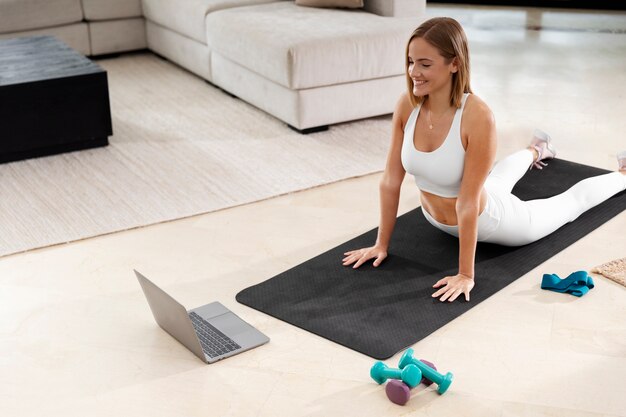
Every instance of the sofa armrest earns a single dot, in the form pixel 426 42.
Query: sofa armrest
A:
pixel 396 8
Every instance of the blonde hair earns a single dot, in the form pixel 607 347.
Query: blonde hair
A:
pixel 447 35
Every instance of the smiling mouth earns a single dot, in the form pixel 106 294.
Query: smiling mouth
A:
pixel 417 82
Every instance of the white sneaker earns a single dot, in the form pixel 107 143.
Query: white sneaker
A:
pixel 621 160
pixel 543 145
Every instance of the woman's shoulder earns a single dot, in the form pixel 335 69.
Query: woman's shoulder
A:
pixel 477 111
pixel 403 109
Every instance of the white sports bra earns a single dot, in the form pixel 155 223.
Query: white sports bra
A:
pixel 438 172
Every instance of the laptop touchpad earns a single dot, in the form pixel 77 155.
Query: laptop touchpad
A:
pixel 230 324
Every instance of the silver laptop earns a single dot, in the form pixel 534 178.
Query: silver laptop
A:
pixel 212 332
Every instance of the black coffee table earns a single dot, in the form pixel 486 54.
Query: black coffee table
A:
pixel 52 99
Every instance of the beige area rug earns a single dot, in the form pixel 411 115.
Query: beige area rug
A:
pixel 180 147
pixel 613 270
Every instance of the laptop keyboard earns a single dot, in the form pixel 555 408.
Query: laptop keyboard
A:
pixel 214 343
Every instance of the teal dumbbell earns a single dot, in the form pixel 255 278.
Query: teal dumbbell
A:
pixel 410 375
pixel 443 381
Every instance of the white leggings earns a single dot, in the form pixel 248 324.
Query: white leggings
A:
pixel 509 221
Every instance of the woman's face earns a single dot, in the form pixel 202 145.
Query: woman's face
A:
pixel 427 68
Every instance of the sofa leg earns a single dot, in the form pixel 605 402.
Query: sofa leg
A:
pixel 161 57
pixel 310 129
pixel 111 55
pixel 221 89
pixel 105 56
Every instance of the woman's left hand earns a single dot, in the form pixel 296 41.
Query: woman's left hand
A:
pixel 453 287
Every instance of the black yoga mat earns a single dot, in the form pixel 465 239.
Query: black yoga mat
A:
pixel 380 311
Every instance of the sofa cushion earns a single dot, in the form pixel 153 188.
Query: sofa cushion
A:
pixel 74 35
pixel 111 9
pixel 310 107
pixel 21 15
pixel 187 17
pixel 396 8
pixel 117 35
pixel 350 4
pixel 186 52
pixel 304 47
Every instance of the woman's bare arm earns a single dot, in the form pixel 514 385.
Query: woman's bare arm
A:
pixel 480 130
pixel 479 157
pixel 389 191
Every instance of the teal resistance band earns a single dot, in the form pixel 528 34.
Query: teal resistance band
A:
pixel 577 283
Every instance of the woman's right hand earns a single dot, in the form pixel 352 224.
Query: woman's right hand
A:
pixel 360 256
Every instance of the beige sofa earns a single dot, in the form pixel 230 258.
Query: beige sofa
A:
pixel 309 67
pixel 92 27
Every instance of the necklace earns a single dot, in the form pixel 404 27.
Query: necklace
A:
pixel 430 121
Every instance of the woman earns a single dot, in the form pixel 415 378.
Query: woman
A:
pixel 446 137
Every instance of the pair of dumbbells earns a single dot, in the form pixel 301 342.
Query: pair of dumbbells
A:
pixel 410 373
